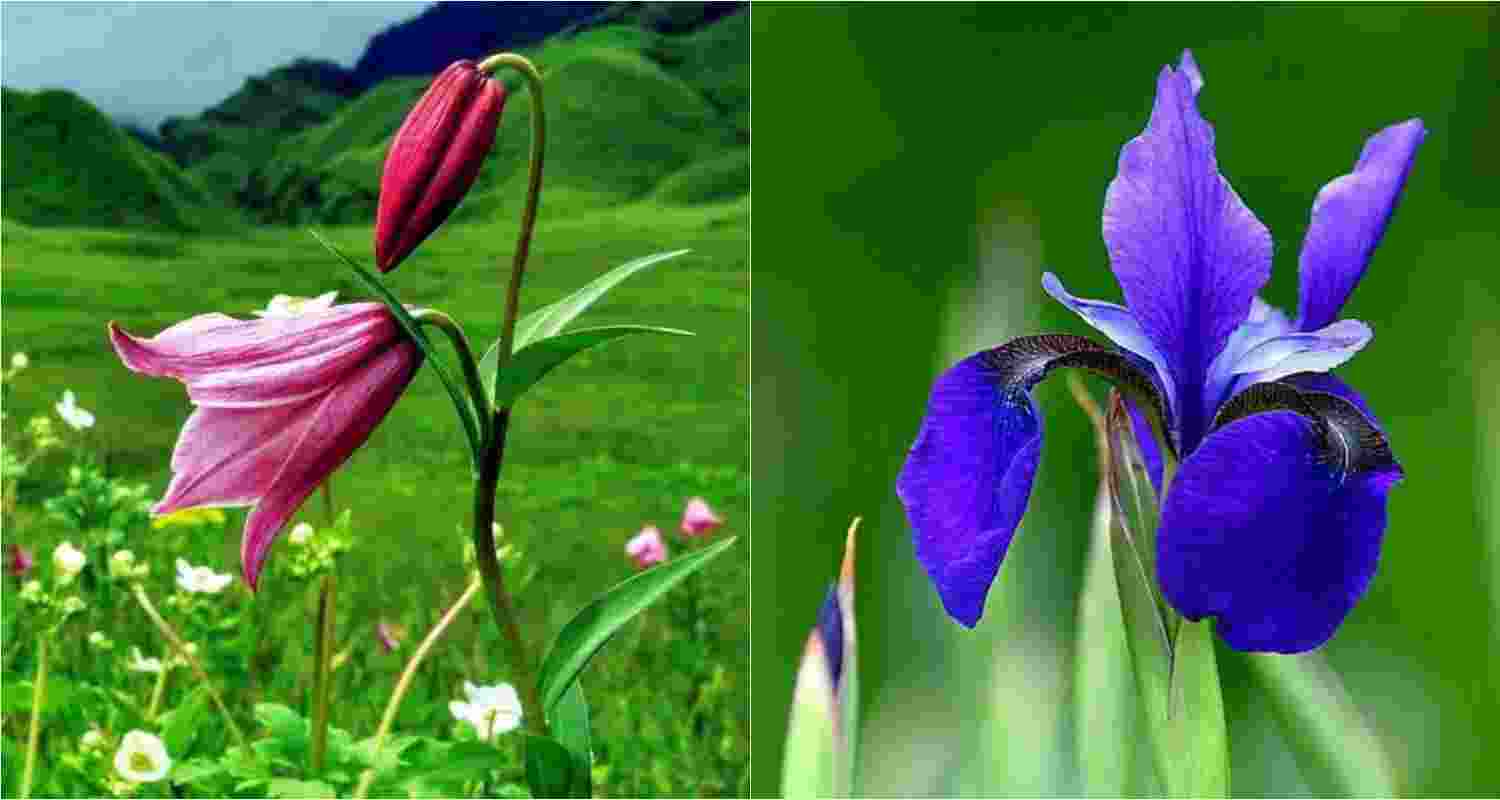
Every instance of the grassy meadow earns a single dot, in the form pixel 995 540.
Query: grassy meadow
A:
pixel 618 438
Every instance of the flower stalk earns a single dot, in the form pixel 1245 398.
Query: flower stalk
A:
pixel 493 453
pixel 404 682
pixel 323 672
pixel 180 648
pixel 38 697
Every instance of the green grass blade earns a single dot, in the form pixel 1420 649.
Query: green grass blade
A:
pixel 461 403
pixel 570 724
pixel 532 363
pixel 810 766
pixel 1199 740
pixel 1337 751
pixel 582 637
pixel 549 768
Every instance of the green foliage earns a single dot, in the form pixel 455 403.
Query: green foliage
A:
pixel 710 181
pixel 67 164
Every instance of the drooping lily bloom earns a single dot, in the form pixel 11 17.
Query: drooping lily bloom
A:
pixel 281 402
pixel 698 519
pixel 435 158
pixel 1274 520
pixel 646 548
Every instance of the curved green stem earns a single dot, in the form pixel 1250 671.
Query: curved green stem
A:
pixel 181 649
pixel 466 360
pixel 157 692
pixel 38 696
pixel 533 196
pixel 493 455
pixel 404 682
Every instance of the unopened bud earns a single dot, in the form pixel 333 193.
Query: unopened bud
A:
pixel 435 158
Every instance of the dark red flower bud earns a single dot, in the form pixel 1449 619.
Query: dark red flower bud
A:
pixel 435 158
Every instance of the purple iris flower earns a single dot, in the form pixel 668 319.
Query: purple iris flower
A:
pixel 1273 521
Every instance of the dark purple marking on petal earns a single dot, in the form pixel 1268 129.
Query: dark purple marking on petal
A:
pixel 1274 527
pixel 1349 217
pixel 1331 384
pixel 1188 254
pixel 831 631
pixel 968 477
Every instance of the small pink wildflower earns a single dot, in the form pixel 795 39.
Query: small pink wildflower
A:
pixel 698 519
pixel 646 548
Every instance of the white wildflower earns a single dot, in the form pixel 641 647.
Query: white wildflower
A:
pixel 142 758
pixel 301 532
pixel 19 361
pixel 77 418
pixel 285 306
pixel 68 560
pixel 492 710
pixel 201 580
pixel 139 663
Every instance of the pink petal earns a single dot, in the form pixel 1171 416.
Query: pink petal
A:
pixel 337 426
pixel 230 363
pixel 230 456
pixel 698 518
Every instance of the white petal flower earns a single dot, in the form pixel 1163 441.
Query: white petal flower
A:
pixel 142 758
pixel 19 361
pixel 201 580
pixel 68 409
pixel 286 306
pixel 139 663
pixel 301 532
pixel 492 710
pixel 92 739
pixel 68 560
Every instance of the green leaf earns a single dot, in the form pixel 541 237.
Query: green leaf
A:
pixel 549 768
pixel 180 725
pixel 467 414
pixel 291 787
pixel 810 764
pixel 570 724
pixel 533 362
pixel 598 621
pixel 1177 677
pixel 1337 750
pixel 550 320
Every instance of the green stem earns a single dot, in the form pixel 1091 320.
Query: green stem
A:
pixel 323 655
pixel 455 334
pixel 404 682
pixel 493 454
pixel 38 696
pixel 181 649
pixel 156 694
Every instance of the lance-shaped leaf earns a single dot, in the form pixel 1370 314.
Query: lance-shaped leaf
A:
pixel 582 637
pixel 532 363
pixel 467 414
pixel 823 730
pixel 549 768
pixel 548 321
pixel 570 724
pixel 1338 752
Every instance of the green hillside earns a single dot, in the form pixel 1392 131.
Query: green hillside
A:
pixel 65 163
pixel 619 122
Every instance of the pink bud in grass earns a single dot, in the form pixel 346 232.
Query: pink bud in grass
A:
pixel 18 560
pixel 698 519
pixel 390 635
pixel 435 158
pixel 646 548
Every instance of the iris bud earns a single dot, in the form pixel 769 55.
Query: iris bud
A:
pixel 435 158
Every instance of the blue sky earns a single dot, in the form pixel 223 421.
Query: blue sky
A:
pixel 143 62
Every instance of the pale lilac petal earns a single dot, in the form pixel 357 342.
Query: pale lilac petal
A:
pixel 1349 217
pixel 1262 532
pixel 1264 323
pixel 1115 322
pixel 232 363
pixel 342 421
pixel 1188 254
pixel 1318 351
pixel 1189 66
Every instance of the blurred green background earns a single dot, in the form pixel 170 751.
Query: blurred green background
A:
pixel 925 165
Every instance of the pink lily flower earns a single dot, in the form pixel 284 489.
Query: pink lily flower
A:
pixel 646 548
pixel 698 519
pixel 282 402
